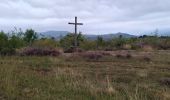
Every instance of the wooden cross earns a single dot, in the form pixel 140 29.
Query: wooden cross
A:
pixel 75 36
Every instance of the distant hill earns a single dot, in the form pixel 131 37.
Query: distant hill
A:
pixel 53 34
pixel 59 34
pixel 110 36
pixel 165 34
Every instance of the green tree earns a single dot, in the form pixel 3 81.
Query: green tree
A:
pixel 119 42
pixel 30 36
pixel 5 46
pixel 100 42
pixel 3 40
pixel 15 42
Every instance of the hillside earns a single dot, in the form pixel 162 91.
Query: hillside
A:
pixel 110 36
pixel 55 34
pixel 59 34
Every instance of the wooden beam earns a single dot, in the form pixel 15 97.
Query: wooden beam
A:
pixel 75 37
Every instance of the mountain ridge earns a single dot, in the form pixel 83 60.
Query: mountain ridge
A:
pixel 59 34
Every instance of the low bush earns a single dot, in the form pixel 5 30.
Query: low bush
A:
pixel 108 49
pixel 124 56
pixel 7 51
pixel 147 58
pixel 165 81
pixel 29 51
pixel 45 43
pixel 72 50
pixel 92 55
pixel 105 53
pixel 128 56
pixel 119 56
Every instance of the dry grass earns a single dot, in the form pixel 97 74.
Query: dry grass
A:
pixel 73 77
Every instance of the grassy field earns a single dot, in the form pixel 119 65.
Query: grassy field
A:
pixel 72 77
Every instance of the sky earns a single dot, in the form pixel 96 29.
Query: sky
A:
pixel 98 16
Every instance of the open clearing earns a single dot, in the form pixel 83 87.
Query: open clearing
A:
pixel 77 78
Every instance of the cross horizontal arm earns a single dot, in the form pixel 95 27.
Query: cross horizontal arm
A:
pixel 79 23
pixel 72 23
pixel 76 23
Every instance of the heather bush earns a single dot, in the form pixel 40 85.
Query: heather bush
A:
pixel 105 53
pixel 147 58
pixel 119 56
pixel 30 51
pixel 73 49
pixel 92 55
pixel 165 81
pixel 128 56
pixel 124 55
pixel 108 49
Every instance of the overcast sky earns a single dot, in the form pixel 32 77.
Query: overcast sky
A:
pixel 98 16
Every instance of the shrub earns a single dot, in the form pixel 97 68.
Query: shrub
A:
pixel 147 58
pixel 128 56
pixel 136 46
pixel 88 45
pixel 45 43
pixel 119 56
pixel 164 44
pixel 39 52
pixel 68 40
pixel 30 36
pixel 93 55
pixel 72 50
pixel 105 53
pixel 7 51
pixel 165 81
pixel 118 43
pixel 108 49
pixel 124 55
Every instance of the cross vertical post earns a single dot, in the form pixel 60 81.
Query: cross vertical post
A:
pixel 75 36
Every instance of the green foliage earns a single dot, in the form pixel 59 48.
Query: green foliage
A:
pixel 100 42
pixel 30 36
pixel 88 45
pixel 10 42
pixel 118 43
pixel 68 41
pixel 15 40
pixel 45 43
pixel 3 39
pixel 5 46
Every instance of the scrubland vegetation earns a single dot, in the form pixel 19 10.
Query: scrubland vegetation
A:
pixel 14 42
pixel 33 68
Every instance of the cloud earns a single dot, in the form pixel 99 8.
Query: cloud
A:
pixel 98 16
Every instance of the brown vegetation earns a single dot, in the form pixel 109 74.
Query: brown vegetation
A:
pixel 31 51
